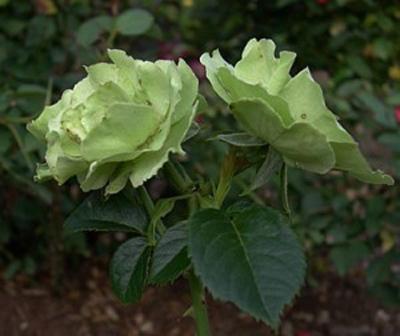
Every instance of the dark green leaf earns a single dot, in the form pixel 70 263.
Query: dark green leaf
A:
pixel 237 208
pixel 383 48
pixel 40 29
pixel 5 140
pixel 391 140
pixel 91 30
pixel 5 231
pixel 129 269
pixel 251 258
pixel 394 99
pixel 387 293
pixel 346 256
pixel 13 26
pixel 379 270
pixel 170 255
pixel 284 3
pixel 119 212
pixel 134 22
pixel 359 66
pixel 241 140
pixel 382 114
pixel 12 269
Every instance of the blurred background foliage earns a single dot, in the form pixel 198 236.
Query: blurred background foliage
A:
pixel 352 48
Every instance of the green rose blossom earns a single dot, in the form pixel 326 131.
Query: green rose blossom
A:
pixel 288 113
pixel 119 123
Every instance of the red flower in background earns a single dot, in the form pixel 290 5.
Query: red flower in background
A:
pixel 322 2
pixel 397 113
pixel 199 119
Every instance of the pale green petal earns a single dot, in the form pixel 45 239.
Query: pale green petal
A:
pixel 349 158
pixel 282 72
pixel 99 102
pixel 258 62
pixel 147 165
pixel 188 92
pixel 71 124
pixel 175 83
pixel 156 85
pixel 128 75
pixel 40 126
pixel 153 143
pixel 43 173
pixel 307 104
pixel 120 178
pixel 237 89
pixel 169 69
pixel 250 45
pixel 54 149
pixel 213 63
pixel 97 176
pixel 260 66
pixel 304 147
pixel 258 118
pixel 300 145
pixel 80 92
pixel 306 101
pixel 127 67
pixel 124 128
pixel 62 166
pixel 67 167
pixel 102 73
pixel 69 147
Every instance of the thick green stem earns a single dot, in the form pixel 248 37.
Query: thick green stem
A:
pixel 284 190
pixel 199 307
pixel 149 206
pixel 182 182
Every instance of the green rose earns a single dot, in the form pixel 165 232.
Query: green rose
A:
pixel 288 113
pixel 119 123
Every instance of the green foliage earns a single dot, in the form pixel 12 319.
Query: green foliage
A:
pixel 348 255
pixel 249 256
pixel 134 22
pixel 170 255
pixel 131 22
pixel 121 212
pixel 129 269
pixel 91 30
